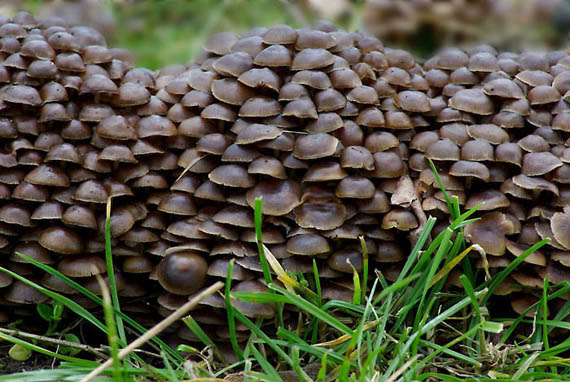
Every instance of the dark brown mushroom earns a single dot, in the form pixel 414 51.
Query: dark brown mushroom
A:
pixel 182 273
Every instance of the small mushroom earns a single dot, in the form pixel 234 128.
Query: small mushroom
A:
pixel 182 273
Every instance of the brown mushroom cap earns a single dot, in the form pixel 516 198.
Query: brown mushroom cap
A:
pixel 400 219
pixel 253 309
pixel 539 163
pixel 489 233
pixel 503 87
pixel 279 196
pixel 472 101
pixel 21 293
pixel 182 273
pixel 308 245
pixel 82 266
pixel 536 258
pixel 341 260
pixel 273 56
pixel 470 168
pixel 443 150
pixel 560 225
pixel 412 101
pixel 322 216
pixel 355 187
pixel 491 199
pixel 61 240
pixel 314 146
pixel 232 175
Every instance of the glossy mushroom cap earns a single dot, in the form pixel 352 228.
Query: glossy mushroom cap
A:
pixel 182 273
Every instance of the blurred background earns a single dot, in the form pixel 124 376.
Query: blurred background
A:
pixel 162 32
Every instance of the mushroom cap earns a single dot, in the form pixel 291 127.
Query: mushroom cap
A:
pixel 253 309
pixel 389 252
pixel 539 163
pixel 388 164
pixel 178 203
pixel 82 266
pixel 503 87
pixel 489 233
pixel 322 216
pixel 257 132
pixel 488 132
pixel 273 56
pixel 312 59
pixel 236 216
pixel 535 184
pixel 61 240
pixel 492 199
pixel 400 219
pixel 509 152
pixel 470 168
pixel 412 101
pixel 21 94
pixel 232 175
pixel 324 171
pixel 182 273
pixel 231 91
pixel 560 225
pixel 443 150
pixel 355 187
pixel 357 157
pixel 477 150
pixel 81 216
pixel 261 78
pixel 21 293
pixel 308 245
pixel 279 196
pixel 220 43
pixel 346 260
pixel 233 64
pixel 543 94
pixel 300 108
pixel 260 106
pixel 472 101
pixel 314 146
pixel 269 166
pixel 219 268
pixel 312 78
pixel 325 123
pixel 536 258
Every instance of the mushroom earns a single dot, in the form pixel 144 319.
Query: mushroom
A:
pixel 182 273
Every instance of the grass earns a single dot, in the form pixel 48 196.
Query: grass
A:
pixel 411 329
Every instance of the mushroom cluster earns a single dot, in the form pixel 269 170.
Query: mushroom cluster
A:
pixel 501 137
pixel 330 128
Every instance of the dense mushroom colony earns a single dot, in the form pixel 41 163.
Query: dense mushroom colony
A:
pixel 330 128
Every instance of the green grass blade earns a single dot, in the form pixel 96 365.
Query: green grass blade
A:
pixel 111 275
pixel 67 302
pixel 265 365
pixel 263 297
pixel 260 334
pixel 93 297
pixel 230 311
pixel 442 188
pixel 499 277
pixel 258 221
pixel 41 350
pixel 313 310
pixel 364 267
pixel 112 331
